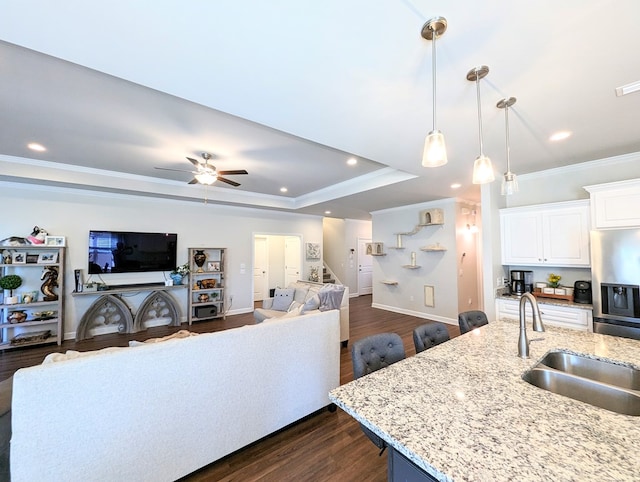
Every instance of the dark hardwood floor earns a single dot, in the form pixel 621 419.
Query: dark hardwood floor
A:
pixel 325 446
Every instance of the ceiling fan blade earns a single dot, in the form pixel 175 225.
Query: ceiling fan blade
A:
pixel 168 169
pixel 194 161
pixel 193 181
pixel 233 172
pixel 228 181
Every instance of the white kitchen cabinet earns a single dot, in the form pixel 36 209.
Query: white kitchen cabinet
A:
pixel 554 315
pixel 547 234
pixel 615 204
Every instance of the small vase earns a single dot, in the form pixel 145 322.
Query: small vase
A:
pixel 177 278
pixel 199 258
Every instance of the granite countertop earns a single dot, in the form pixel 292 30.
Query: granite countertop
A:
pixel 462 412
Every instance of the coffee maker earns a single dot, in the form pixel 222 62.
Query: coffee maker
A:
pixel 521 282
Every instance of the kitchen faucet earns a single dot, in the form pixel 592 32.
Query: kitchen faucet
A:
pixel 523 342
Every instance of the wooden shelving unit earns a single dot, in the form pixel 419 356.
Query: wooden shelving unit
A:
pixel 44 319
pixel 207 285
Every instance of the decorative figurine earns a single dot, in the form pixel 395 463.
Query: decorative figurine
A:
pixel 50 277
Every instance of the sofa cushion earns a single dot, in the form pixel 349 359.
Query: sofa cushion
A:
pixel 282 299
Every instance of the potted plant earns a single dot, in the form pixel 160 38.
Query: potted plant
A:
pixel 10 282
pixel 178 273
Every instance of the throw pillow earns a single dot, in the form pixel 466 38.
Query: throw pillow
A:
pixel 282 299
pixel 294 306
pixel 312 303
pixel 331 299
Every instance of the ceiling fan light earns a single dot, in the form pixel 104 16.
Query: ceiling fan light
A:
pixel 435 151
pixel 483 170
pixel 509 184
pixel 206 178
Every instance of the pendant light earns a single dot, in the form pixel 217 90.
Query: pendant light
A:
pixel 509 181
pixel 482 168
pixel 435 151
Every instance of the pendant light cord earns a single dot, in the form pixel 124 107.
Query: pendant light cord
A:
pixel 433 73
pixel 506 120
pixel 479 113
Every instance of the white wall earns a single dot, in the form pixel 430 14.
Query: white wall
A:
pixel 340 237
pixel 437 269
pixel 72 213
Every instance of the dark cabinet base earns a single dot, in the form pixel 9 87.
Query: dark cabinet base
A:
pixel 401 469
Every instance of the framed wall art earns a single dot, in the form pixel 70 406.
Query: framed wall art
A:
pixel 55 241
pixel 313 250
pixel 48 257
pixel 19 257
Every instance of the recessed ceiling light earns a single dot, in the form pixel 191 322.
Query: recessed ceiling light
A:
pixel 34 146
pixel 327 212
pixel 456 185
pixel 283 189
pixel 559 136
pixel 352 161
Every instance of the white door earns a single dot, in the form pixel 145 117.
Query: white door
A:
pixel 292 255
pixel 365 268
pixel 260 268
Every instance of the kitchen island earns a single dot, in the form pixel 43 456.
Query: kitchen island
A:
pixel 461 412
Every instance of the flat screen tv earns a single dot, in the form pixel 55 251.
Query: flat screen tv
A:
pixel 128 252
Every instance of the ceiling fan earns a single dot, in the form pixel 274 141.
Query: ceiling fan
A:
pixel 206 173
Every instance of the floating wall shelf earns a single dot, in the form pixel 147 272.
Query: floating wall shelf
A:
pixel 433 247
pixel 389 282
pixel 411 266
pixel 428 217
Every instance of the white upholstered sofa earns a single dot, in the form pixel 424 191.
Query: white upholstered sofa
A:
pixel 161 411
pixel 303 292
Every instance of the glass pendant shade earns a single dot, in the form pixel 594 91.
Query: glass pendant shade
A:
pixel 509 184
pixel 435 151
pixel 483 170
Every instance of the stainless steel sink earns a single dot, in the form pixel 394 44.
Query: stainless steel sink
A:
pixel 623 376
pixel 600 383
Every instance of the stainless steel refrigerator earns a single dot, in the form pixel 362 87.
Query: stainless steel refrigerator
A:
pixel 615 272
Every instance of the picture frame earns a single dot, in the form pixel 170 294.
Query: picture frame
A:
pixel 18 257
pixel 55 241
pixel 48 257
pixel 313 250
pixel 213 266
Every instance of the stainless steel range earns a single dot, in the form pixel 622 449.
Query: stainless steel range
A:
pixel 615 271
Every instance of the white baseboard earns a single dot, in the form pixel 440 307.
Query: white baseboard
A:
pixel 417 314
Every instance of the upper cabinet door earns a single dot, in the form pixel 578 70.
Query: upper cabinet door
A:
pixel 566 236
pixel 550 234
pixel 616 204
pixel 521 237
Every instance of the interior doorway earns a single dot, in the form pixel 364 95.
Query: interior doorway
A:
pixel 277 261
pixel 365 268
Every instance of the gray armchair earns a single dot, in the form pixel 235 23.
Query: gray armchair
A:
pixel 429 335
pixel 470 320
pixel 373 353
